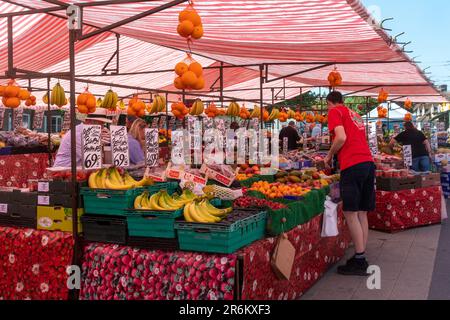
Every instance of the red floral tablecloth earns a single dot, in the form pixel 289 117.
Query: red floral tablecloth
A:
pixel 399 210
pixel 118 272
pixel 112 272
pixel 15 170
pixel 314 255
pixel 33 264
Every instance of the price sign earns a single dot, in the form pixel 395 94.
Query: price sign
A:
pixel 43 186
pixel 3 208
pixel 253 146
pixel 254 124
pixel 285 145
pixel 66 121
pixel 162 122
pixel 152 147
pixel 373 141
pixel 208 123
pixel 178 124
pixel 178 147
pixel 38 118
pixel 155 122
pixel 2 116
pixel 407 155
pixel 172 123
pixel 43 200
pixel 92 146
pixel 119 146
pixel 230 144
pixel 18 118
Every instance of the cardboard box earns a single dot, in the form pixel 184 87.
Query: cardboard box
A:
pixel 56 200
pixel 55 187
pixel 430 180
pixel 57 219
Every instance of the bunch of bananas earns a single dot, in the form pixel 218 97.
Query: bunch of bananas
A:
pixel 197 108
pixel 233 109
pixel 204 212
pixel 122 105
pixel 274 114
pixel 256 113
pixel 162 201
pixel 158 105
pixel 99 102
pixel 110 100
pixel 113 180
pixel 58 96
pixel 291 114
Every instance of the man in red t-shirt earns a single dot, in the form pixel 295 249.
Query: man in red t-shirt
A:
pixel 357 176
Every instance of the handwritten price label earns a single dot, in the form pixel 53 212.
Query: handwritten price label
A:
pixel 38 118
pixel 3 208
pixel 18 117
pixel 92 147
pixel 119 146
pixel 2 116
pixel 152 147
pixel 407 155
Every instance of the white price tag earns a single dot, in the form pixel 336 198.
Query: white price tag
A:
pixel 285 145
pixel 2 116
pixel 66 121
pixel 119 146
pixel 3 208
pixel 18 117
pixel 92 147
pixel 43 186
pixel 43 200
pixel 152 147
pixel 407 155
pixel 38 118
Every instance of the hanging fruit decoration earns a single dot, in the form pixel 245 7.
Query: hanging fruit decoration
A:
pixel 179 110
pixel 233 109
pixel 122 105
pixel 58 96
pixel 211 111
pixel 335 78
pixel 197 108
pixel 408 104
pixel 382 112
pixel 274 114
pixel 291 114
pixel 86 102
pixel 110 100
pixel 158 104
pixel 30 101
pixel 12 94
pixel 408 117
pixel 244 113
pixel 298 116
pixel 283 116
pixel 136 107
pixel 189 75
pixel 266 115
pixel 190 23
pixel 383 96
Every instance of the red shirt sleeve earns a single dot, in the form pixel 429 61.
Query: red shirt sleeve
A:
pixel 334 119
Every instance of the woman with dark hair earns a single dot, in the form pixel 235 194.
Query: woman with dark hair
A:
pixel 420 147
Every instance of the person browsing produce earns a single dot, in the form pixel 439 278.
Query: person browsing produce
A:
pixel 136 141
pixel 357 177
pixel 290 132
pixel 420 147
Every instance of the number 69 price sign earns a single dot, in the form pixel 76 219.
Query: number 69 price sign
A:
pixel 92 147
pixel 119 146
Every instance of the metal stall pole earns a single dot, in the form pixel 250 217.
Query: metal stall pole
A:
pixel 167 126
pixel 49 123
pixel 367 117
pixel 10 48
pixel 221 84
pixel 73 155
pixel 261 94
pixel 388 115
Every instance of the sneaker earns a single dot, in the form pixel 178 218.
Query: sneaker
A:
pixel 354 267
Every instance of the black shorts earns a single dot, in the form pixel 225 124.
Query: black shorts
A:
pixel 358 187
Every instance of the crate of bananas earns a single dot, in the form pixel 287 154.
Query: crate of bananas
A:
pixel 235 230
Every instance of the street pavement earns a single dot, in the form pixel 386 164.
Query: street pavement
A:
pixel 414 265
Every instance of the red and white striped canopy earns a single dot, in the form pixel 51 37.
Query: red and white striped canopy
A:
pixel 320 33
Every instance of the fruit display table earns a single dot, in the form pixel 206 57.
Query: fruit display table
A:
pixel 15 170
pixel 119 272
pixel 399 210
pixel 33 264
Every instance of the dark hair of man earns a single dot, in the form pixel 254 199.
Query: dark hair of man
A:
pixel 409 125
pixel 335 97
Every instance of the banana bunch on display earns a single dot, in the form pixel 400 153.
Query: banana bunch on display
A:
pixel 99 102
pixel 197 108
pixel 158 105
pixel 204 212
pixel 291 114
pixel 110 100
pixel 274 114
pixel 233 109
pixel 256 113
pixel 58 96
pixel 162 201
pixel 112 179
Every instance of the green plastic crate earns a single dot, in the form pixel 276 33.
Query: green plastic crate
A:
pixel 219 237
pixel 152 224
pixel 109 202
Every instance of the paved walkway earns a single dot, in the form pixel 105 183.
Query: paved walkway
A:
pixel 415 265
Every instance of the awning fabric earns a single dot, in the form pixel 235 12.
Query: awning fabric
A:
pixel 317 32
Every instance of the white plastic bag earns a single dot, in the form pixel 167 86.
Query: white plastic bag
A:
pixel 329 224
pixel 444 209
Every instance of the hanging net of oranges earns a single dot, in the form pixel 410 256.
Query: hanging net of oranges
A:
pixel 12 94
pixel 408 117
pixel 335 78
pixel 86 102
pixel 382 112
pixel 189 75
pixel 136 107
pixel 408 104
pixel 383 96
pixel 190 24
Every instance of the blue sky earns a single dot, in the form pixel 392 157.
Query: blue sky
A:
pixel 427 24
